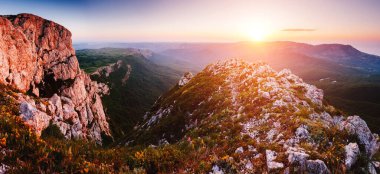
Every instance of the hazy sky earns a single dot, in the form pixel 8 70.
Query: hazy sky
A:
pixel 355 22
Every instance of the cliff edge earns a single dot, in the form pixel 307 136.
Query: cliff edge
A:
pixel 38 60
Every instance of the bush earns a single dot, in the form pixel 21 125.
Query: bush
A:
pixel 106 139
pixel 52 131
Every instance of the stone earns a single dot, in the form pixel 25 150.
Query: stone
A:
pixel 357 126
pixel 317 167
pixel 32 116
pixel 249 165
pixel 266 95
pixel 271 164
pixel 239 150
pixel 297 156
pixel 352 153
pixel 371 169
pixel 376 164
pixel 3 168
pixel 103 89
pixel 302 132
pixel 185 79
pixel 216 170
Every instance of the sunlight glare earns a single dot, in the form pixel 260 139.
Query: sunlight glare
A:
pixel 258 34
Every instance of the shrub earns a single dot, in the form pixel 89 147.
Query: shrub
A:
pixel 52 131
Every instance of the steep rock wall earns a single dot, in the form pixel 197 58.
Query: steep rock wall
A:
pixel 37 58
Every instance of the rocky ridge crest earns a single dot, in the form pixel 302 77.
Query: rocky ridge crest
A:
pixel 274 120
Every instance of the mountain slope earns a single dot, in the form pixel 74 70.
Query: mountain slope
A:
pixel 254 119
pixel 134 83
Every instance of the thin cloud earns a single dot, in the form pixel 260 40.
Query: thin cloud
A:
pixel 298 29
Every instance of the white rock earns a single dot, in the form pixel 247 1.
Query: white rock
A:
pixel 239 150
pixel 317 167
pixel 33 117
pixel 251 148
pixel 271 164
pixel 3 168
pixel 271 133
pixel 352 152
pixel 356 126
pixel 216 170
pixel 297 156
pixel 185 79
pixel 266 95
pixel 279 103
pixel 249 165
pixel 376 164
pixel 302 132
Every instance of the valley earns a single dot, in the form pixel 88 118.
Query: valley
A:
pixel 129 99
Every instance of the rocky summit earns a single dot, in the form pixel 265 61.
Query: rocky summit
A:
pixel 251 119
pixel 38 60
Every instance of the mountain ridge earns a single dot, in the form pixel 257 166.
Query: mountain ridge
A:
pixel 250 106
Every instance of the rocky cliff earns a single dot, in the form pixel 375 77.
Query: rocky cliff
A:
pixel 248 118
pixel 37 58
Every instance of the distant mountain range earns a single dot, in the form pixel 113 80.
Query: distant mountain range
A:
pixel 205 53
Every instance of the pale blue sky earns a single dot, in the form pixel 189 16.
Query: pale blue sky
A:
pixel 342 21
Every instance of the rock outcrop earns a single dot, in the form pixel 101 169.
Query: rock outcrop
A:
pixel 185 79
pixel 105 71
pixel 32 49
pixel 37 58
pixel 352 153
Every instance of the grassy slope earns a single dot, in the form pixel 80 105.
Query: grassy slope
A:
pixel 24 152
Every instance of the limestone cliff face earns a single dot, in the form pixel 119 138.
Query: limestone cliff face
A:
pixel 33 48
pixel 37 58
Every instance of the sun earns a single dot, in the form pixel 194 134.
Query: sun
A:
pixel 257 35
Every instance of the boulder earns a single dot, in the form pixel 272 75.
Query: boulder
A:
pixel 271 164
pixel 185 79
pixel 358 127
pixel 352 153
pixel 33 117
pixel 316 167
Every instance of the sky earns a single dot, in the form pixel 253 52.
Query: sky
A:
pixel 354 22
